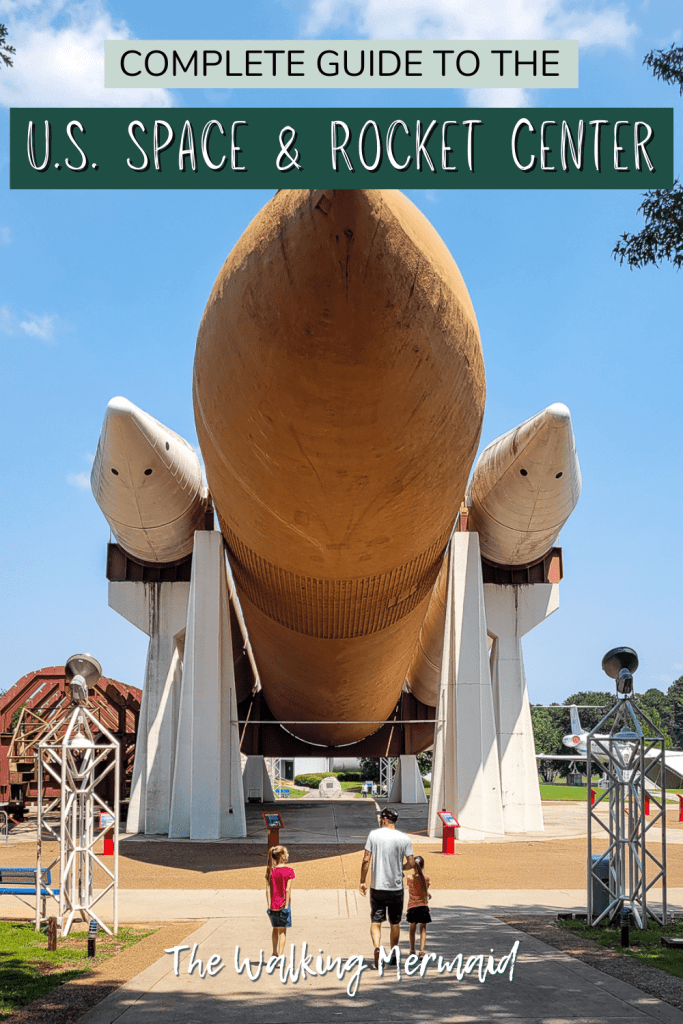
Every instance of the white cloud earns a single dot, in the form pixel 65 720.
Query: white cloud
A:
pixel 42 327
pixel 60 56
pixel 80 480
pixel 589 21
pixel 5 236
pixel 9 323
pixel 498 98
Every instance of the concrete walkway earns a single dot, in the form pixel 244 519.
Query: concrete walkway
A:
pixel 537 985
pixel 140 905
pixel 330 822
pixel 546 986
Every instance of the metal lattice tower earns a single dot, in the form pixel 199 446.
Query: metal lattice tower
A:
pixel 622 745
pixel 387 770
pixel 274 769
pixel 77 753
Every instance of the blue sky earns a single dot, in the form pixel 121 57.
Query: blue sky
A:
pixel 101 294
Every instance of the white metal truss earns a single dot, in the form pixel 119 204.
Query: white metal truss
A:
pixel 274 770
pixel 78 752
pixel 387 770
pixel 622 755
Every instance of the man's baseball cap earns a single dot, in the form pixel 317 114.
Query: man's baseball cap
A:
pixel 389 813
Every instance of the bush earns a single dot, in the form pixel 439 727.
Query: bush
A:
pixel 350 776
pixel 314 779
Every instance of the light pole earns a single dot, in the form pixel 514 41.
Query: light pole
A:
pixel 623 743
pixel 78 753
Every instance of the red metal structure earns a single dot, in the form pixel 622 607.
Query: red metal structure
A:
pixel 26 712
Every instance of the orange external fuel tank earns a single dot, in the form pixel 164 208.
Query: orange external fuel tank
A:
pixel 339 395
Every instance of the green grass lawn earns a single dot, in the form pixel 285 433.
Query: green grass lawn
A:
pixel 562 792
pixel 355 787
pixel 292 791
pixel 28 971
pixel 559 790
pixel 645 945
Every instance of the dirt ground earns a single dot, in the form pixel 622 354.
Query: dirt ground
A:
pixel 523 865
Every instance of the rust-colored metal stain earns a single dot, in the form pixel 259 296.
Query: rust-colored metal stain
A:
pixel 339 395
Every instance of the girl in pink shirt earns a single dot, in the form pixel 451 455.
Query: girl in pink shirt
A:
pixel 417 910
pixel 279 894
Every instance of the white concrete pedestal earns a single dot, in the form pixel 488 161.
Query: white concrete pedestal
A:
pixel 408 787
pixel 160 611
pixel 511 611
pixel 207 799
pixel 465 774
pixel 256 780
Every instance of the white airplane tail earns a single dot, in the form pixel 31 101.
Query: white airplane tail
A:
pixel 574 718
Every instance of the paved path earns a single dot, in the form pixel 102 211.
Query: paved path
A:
pixel 330 822
pixel 546 987
pixel 140 905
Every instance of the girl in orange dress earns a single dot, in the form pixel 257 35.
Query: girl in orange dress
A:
pixel 417 910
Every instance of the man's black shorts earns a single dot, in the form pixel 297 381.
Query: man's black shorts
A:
pixel 383 900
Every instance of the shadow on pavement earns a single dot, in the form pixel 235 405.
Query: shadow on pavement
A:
pixel 546 988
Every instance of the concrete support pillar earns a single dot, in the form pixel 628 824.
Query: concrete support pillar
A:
pixel 511 611
pixel 207 800
pixel 256 780
pixel 408 787
pixel 160 611
pixel 465 774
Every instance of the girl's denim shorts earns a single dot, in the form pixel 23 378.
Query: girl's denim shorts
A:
pixel 281 918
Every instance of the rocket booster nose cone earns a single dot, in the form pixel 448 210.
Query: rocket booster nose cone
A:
pixel 558 413
pixel 524 488
pixel 147 481
pixel 124 421
pixel 120 406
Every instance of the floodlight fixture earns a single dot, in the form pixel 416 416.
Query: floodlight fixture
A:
pixel 620 663
pixel 82 671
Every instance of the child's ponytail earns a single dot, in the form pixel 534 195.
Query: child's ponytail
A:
pixel 271 864
pixel 419 864
pixel 275 855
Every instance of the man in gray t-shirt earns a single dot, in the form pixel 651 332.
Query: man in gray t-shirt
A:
pixel 386 848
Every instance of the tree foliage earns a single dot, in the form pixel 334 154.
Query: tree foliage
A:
pixel 6 51
pixel 548 739
pixel 667 65
pixel 662 237
pixel 664 709
pixel 369 768
pixel 547 731
pixel 600 700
